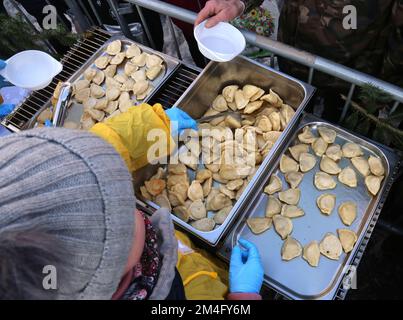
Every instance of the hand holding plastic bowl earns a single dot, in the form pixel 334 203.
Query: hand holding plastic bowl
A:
pixel 220 43
pixel 31 69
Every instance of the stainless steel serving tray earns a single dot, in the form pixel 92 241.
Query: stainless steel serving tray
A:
pixel 296 279
pixel 76 109
pixel 198 98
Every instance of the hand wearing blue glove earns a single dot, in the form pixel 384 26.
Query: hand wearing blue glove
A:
pixel 245 270
pixel 5 109
pixel 180 120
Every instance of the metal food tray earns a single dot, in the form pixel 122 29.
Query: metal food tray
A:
pixel 296 279
pixel 76 109
pixel 198 98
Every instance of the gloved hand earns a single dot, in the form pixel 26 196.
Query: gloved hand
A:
pixel 245 270
pixel 180 120
pixel 5 109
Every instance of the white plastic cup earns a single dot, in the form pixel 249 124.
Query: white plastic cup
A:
pixel 220 43
pixel 31 69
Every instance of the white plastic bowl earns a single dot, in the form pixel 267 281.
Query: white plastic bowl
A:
pixel 31 69
pixel 221 43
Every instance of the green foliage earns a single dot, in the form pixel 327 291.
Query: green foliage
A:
pixel 364 117
pixel 16 35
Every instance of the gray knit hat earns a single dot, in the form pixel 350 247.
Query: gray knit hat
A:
pixel 76 185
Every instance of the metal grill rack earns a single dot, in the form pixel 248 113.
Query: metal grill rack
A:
pixel 173 88
pixel 72 61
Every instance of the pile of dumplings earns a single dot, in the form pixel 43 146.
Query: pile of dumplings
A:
pixel 120 79
pixel 282 209
pixel 206 201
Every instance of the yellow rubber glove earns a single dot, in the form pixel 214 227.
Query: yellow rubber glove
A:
pixel 128 133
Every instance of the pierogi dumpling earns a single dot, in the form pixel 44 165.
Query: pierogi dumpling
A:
pixel 288 164
pixel 273 207
pixel 250 90
pixel 312 253
pixel 334 152
pixel 112 93
pixel 118 59
pixel 205 224
pixel 182 213
pixel 273 98
pixel 229 93
pixel 89 74
pixel 361 164
pixel 252 106
pixel 102 62
pixel 114 48
pixel 197 210
pixel 298 149
pixel 140 87
pixel 133 51
pixel 163 201
pixel 324 181
pixel 274 185
pixel 373 184
pixel 290 196
pixel 110 71
pixel 195 191
pixel 347 238
pixel 319 146
pixel 291 249
pixel 351 150
pixel 240 100
pixel 153 72
pixel 376 166
pixel 348 212
pixel 220 104
pixel 221 215
pixel 99 78
pixel 217 201
pixel 327 134
pixel 306 136
pixel 153 60
pixel 348 177
pixel 97 91
pixel 290 211
pixel 155 186
pixel 234 185
pixel 275 120
pixel 329 166
pixel 326 203
pixel 139 75
pixel 139 60
pixel 178 168
pixel 294 178
pixel 306 161
pixel 121 78
pixel 130 68
pixel 330 246
pixel 282 225
pixel 207 185
pixel 259 225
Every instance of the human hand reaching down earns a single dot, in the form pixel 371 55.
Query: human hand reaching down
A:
pixel 220 10
pixel 246 270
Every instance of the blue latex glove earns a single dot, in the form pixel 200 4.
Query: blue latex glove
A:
pixel 180 120
pixel 245 270
pixel 3 82
pixel 6 109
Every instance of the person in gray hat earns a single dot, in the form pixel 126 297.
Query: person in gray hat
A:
pixel 67 206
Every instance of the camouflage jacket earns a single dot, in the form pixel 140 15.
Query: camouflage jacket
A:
pixel 374 47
